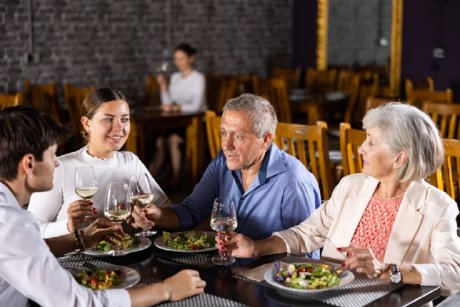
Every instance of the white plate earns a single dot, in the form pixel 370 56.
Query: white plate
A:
pixel 346 277
pixel 129 277
pixel 161 245
pixel 143 244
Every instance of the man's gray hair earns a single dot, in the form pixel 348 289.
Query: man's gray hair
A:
pixel 406 128
pixel 261 112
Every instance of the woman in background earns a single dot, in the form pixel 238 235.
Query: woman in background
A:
pixel 186 92
pixel 106 127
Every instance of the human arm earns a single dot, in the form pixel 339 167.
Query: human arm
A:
pixel 168 290
pixel 197 94
pixel 238 245
pixel 95 232
pixel 45 206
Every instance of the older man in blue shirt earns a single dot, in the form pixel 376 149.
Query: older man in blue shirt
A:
pixel 272 190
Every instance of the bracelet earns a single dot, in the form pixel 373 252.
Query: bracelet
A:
pixel 79 239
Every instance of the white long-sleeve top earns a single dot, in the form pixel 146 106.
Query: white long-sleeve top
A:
pixel 50 208
pixel 29 270
pixel 188 92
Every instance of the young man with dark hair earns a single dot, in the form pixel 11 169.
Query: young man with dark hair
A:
pixel 28 268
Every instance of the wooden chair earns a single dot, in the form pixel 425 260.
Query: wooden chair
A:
pixel 308 143
pixel 320 81
pixel 425 84
pixel 447 177
pixel 290 75
pixel 227 89
pixel 344 79
pixel 418 96
pixel 213 133
pixel 152 91
pixel 446 116
pixel 275 91
pixel 373 102
pixel 10 100
pixel 74 97
pixel 44 98
pixel 350 140
pixel 356 107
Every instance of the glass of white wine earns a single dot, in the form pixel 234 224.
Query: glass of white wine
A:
pixel 223 220
pixel 85 182
pixel 117 207
pixel 141 194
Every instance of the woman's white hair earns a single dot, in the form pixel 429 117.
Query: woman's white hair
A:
pixel 261 112
pixel 408 129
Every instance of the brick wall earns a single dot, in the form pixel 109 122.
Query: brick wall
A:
pixel 117 42
pixel 354 32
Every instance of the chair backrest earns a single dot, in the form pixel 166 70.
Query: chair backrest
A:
pixel 228 88
pixel 152 91
pixel 213 133
pixel 320 81
pixel 275 91
pixel 344 79
pixel 9 100
pixel 308 143
pixel 43 97
pixel 418 96
pixel 367 87
pixel 374 102
pixel 290 75
pixel 446 116
pixel 447 177
pixel 350 140
pixel 74 97
pixel 425 84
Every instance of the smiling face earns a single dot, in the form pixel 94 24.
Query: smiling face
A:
pixel 182 60
pixel 378 160
pixel 241 147
pixel 108 128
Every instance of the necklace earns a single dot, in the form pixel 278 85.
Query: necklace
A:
pixel 388 198
pixel 103 159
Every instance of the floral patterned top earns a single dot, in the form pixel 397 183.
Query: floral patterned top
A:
pixel 374 229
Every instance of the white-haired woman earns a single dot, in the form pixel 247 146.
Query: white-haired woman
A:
pixel 388 222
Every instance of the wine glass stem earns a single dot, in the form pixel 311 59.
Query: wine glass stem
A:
pixel 223 252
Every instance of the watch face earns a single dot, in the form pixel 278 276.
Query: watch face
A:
pixel 395 278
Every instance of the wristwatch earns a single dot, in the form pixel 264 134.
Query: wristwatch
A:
pixel 395 275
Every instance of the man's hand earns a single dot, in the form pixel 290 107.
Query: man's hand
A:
pixel 184 284
pixel 145 217
pixel 237 245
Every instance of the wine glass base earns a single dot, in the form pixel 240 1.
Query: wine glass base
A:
pixel 223 260
pixel 146 233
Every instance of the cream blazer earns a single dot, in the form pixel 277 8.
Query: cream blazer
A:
pixel 424 232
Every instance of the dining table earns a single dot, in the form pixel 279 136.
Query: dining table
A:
pixel 152 120
pixel 240 284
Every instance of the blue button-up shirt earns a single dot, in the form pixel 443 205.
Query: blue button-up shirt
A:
pixel 283 194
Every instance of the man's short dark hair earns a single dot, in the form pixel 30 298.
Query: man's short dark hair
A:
pixel 24 130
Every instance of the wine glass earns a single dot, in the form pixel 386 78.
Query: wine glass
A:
pixel 85 182
pixel 117 207
pixel 141 194
pixel 223 220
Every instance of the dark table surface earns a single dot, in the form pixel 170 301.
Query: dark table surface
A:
pixel 155 265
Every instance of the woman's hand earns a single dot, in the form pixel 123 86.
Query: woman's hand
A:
pixel 363 260
pixel 184 284
pixel 101 228
pixel 77 212
pixel 237 245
